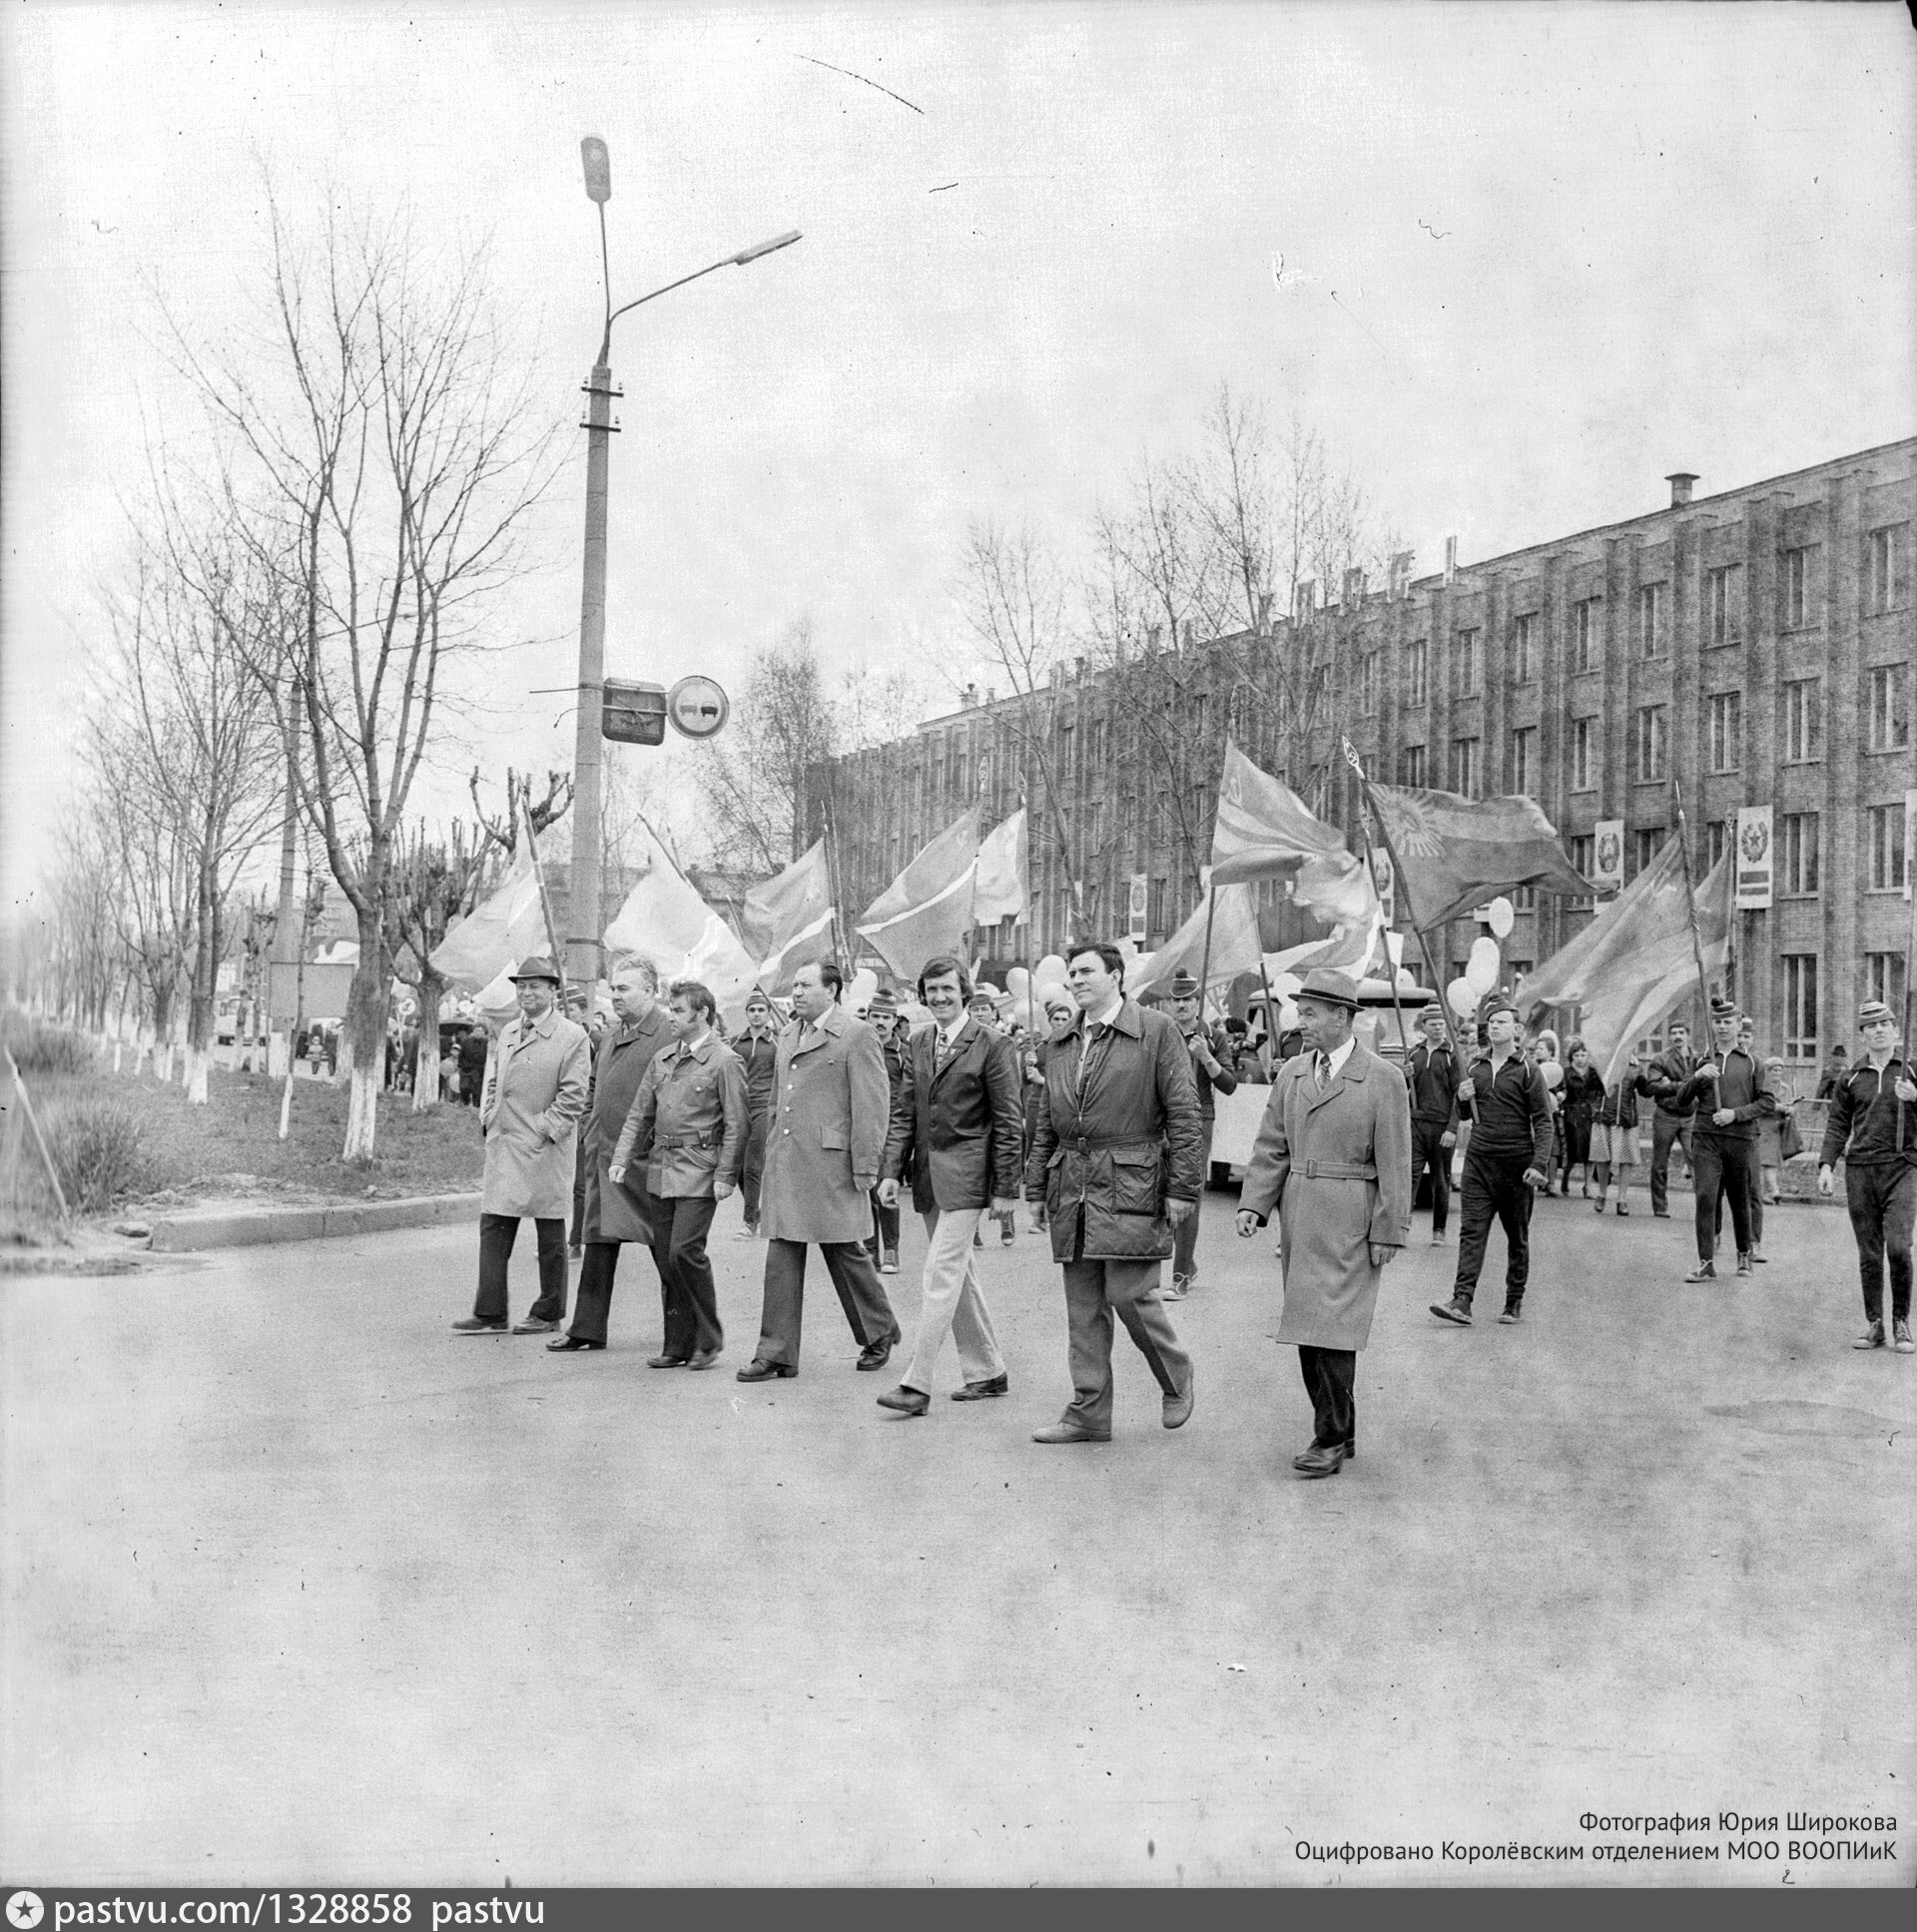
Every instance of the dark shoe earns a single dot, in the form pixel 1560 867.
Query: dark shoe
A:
pixel 1704 1271
pixel 978 1239
pixel 566 1345
pixel 1319 1462
pixel 1624 1214
pixel 1601 1205
pixel 535 1325
pixel 472 1325
pixel 1901 1339
pixel 1510 1316
pixel 889 1265
pixel 1743 1265
pixel 1180 1287
pixel 1298 1460
pixel 1873 1336
pixel 1457 1309
pixel 1438 1239
pixel 667 1360
pixel 1177 1408
pixel 702 1358
pixel 1070 1432
pixel 907 1402
pixel 1661 1213
pixel 878 1355
pixel 765 1371
pixel 981 1390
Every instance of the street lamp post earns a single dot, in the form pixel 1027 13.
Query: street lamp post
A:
pixel 582 942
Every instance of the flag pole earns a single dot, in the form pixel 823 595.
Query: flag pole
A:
pixel 1691 897
pixel 1402 880
pixel 545 904
pixel 1204 963
pixel 1391 965
pixel 841 950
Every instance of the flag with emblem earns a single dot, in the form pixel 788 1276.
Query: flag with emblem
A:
pixel 1264 829
pixel 787 922
pixel 927 908
pixel 1454 852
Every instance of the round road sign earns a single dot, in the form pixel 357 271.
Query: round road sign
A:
pixel 697 707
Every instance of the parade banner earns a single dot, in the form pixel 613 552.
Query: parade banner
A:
pixel 1608 856
pixel 1264 829
pixel 927 909
pixel 1138 906
pixel 1756 856
pixel 497 933
pixel 665 919
pixel 1001 891
pixel 1234 944
pixel 787 920
pixel 1460 852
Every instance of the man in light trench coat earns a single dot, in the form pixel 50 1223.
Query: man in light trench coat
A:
pixel 1333 1155
pixel 616 1212
pixel 831 1106
pixel 529 1112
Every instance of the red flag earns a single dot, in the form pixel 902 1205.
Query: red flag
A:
pixel 927 908
pixel 1454 852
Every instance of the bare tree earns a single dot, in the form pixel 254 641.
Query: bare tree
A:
pixel 384 463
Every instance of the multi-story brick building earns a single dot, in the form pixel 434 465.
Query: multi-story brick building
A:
pixel 1758 646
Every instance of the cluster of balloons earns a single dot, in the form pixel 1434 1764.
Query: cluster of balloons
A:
pixel 1481 969
pixel 1023 984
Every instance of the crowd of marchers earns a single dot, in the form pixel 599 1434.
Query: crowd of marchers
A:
pixel 822 1119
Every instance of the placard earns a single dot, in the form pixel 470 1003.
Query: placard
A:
pixel 1608 856
pixel 1754 858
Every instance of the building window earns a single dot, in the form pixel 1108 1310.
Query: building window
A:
pixel 1583 749
pixel 1523 898
pixel 1803 721
pixel 1717 838
pixel 1884 836
pixel 1156 912
pixel 1464 664
pixel 1584 634
pixel 1800 1005
pixel 1524 758
pixel 1646 844
pixel 1652 607
pixel 1726 731
pixel 1797 853
pixel 1884 979
pixel 1802 605
pixel 1464 767
pixel 1724 604
pixel 1524 648
pixel 1416 665
pixel 1648 743
pixel 1368 685
pixel 1887 574
pixel 1887 709
pixel 1411 765
pixel 1582 847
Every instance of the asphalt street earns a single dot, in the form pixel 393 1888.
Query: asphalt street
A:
pixel 301 1588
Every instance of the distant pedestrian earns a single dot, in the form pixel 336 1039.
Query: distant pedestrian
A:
pixel 1873 1129
pixel 882 1015
pixel 473 1045
pixel 1728 1093
pixel 1614 1145
pixel 1583 1095
pixel 1836 1069
pixel 1778 1139
pixel 1210 1073
pixel 535 1093
pixel 1432 1074
pixel 1661 1081
pixel 758 1050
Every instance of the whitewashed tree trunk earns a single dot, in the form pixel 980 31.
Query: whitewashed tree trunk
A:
pixel 285 1101
pixel 197 1060
pixel 163 1062
pixel 117 1044
pixel 362 1103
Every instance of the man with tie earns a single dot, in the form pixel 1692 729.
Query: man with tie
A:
pixel 958 1127
pixel 1118 1161
pixel 1209 1073
pixel 1333 1157
pixel 824 1145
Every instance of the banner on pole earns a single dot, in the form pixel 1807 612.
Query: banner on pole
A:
pixel 1755 857
pixel 1138 906
pixel 1608 856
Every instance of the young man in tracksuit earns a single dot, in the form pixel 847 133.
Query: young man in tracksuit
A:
pixel 1432 1074
pixel 1873 1126
pixel 1730 1097
pixel 1503 1097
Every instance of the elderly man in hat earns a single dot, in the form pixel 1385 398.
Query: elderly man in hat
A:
pixel 1116 1160
pixel 1728 1089
pixel 1431 1073
pixel 1503 1094
pixel 1333 1157
pixel 1211 1073
pixel 1873 1129
pixel 536 1085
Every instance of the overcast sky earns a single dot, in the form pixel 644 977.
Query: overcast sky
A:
pixel 1516 262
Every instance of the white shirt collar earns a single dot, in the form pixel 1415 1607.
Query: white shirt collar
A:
pixel 949 1036
pixel 1339 1057
pixel 1109 1015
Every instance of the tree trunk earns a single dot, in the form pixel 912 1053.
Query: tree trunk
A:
pixel 362 1038
pixel 426 1061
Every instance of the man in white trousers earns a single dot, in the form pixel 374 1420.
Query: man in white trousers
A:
pixel 957 1129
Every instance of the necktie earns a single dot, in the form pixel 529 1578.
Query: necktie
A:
pixel 1324 1070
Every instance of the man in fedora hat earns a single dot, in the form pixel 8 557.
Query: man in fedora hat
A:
pixel 1333 1157
pixel 1431 1073
pixel 536 1085
pixel 1728 1089
pixel 1873 1127
pixel 1503 1094
pixel 1211 1074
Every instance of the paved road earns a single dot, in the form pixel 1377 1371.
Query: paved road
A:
pixel 301 1588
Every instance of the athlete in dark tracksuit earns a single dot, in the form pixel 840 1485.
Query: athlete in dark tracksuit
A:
pixel 1432 1074
pixel 1723 1150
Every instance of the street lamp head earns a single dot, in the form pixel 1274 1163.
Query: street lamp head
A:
pixel 593 151
pixel 785 241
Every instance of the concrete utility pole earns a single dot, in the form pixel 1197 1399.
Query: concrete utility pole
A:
pixel 582 942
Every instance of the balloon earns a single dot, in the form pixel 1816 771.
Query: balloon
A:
pixel 1459 997
pixel 1481 970
pixel 1287 1015
pixel 1503 915
pixel 865 983
pixel 1554 1075
pixel 1018 982
pixel 1049 972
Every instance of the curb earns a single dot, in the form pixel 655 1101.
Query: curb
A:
pixel 257 1226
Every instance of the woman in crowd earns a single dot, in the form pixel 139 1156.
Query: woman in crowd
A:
pixel 1583 1096
pixel 1614 1138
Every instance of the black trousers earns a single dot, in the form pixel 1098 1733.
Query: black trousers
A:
pixel 679 1229
pixel 1426 1152
pixel 1882 1199
pixel 860 1294
pixel 1665 1129
pixel 886 1219
pixel 592 1303
pixel 1723 1169
pixel 753 1171
pixel 577 1232
pixel 1331 1375
pixel 497 1232
pixel 1494 1189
